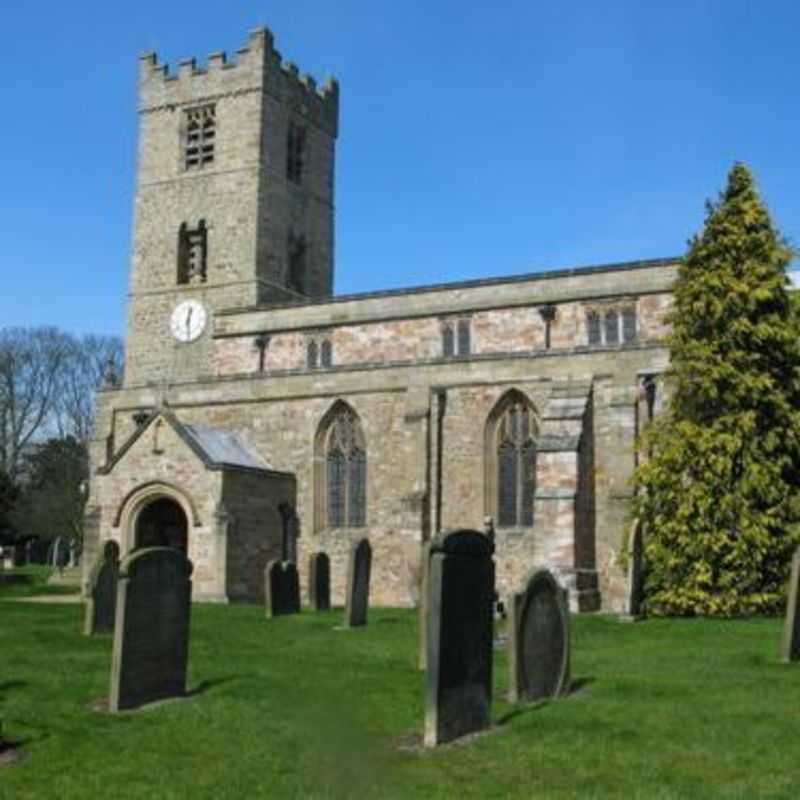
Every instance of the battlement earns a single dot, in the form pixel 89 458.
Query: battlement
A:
pixel 256 66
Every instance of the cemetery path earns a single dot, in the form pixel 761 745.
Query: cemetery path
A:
pixel 45 598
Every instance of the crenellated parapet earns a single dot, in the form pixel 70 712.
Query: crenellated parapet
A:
pixel 256 67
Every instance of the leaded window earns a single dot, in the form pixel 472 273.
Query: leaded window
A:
pixel 516 465
pixel 593 328
pixel 312 355
pixel 201 130
pixel 629 324
pixel 463 337
pixel 612 327
pixel 326 353
pixel 346 471
pixel 448 343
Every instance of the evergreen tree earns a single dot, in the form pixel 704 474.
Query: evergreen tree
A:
pixel 719 495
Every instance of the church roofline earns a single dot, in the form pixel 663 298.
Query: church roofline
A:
pixel 456 285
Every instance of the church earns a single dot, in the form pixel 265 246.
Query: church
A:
pixel 260 416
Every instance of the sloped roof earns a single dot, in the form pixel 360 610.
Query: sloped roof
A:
pixel 224 448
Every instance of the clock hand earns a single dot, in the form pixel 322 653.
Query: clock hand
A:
pixel 189 319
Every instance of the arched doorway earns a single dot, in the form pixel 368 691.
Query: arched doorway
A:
pixel 162 523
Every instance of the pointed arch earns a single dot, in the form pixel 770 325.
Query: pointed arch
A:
pixel 340 470
pixel 510 461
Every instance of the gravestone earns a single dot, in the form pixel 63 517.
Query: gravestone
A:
pixel 538 648
pixel 359 568
pixel 458 692
pixel 151 631
pixel 8 557
pixel 60 553
pixel 790 646
pixel 635 585
pixel 282 588
pixel 319 582
pixel 101 604
pixel 20 555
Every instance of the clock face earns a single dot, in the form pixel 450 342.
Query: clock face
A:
pixel 188 321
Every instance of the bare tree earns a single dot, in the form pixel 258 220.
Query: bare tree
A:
pixel 31 365
pixel 90 361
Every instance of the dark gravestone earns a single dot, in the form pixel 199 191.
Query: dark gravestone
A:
pixel 60 553
pixel 101 602
pixel 538 651
pixel 790 646
pixel 151 632
pixel 20 555
pixel 359 568
pixel 459 635
pixel 319 582
pixel 635 587
pixel 282 589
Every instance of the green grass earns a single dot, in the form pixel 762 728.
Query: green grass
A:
pixel 293 708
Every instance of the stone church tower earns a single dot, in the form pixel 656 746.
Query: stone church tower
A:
pixel 234 201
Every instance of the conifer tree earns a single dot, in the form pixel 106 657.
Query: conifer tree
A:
pixel 719 495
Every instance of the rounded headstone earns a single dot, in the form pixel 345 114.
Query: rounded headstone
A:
pixel 539 658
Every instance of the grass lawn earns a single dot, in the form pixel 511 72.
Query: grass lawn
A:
pixel 293 708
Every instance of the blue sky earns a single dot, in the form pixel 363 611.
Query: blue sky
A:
pixel 476 139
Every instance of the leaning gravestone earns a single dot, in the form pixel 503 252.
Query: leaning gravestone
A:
pixel 319 582
pixel 359 568
pixel 459 635
pixel 538 648
pixel 282 588
pixel 101 604
pixel 790 646
pixel 151 631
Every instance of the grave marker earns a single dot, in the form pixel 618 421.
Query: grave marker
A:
pixel 101 602
pixel 359 568
pixel 319 582
pixel 459 635
pixel 151 631
pixel 282 589
pixel 538 647
pixel 790 645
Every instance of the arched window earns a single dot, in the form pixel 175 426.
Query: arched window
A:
pixel 341 461
pixel 511 461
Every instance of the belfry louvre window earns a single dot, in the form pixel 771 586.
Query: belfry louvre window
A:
pixel 511 462
pixel 295 152
pixel 345 491
pixel 192 253
pixel 201 130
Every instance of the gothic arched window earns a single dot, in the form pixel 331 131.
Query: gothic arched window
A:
pixel 341 470
pixel 511 462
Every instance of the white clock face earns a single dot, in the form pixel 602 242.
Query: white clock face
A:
pixel 188 321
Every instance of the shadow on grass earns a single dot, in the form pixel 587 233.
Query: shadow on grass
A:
pixel 15 579
pixel 9 685
pixel 575 687
pixel 205 685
